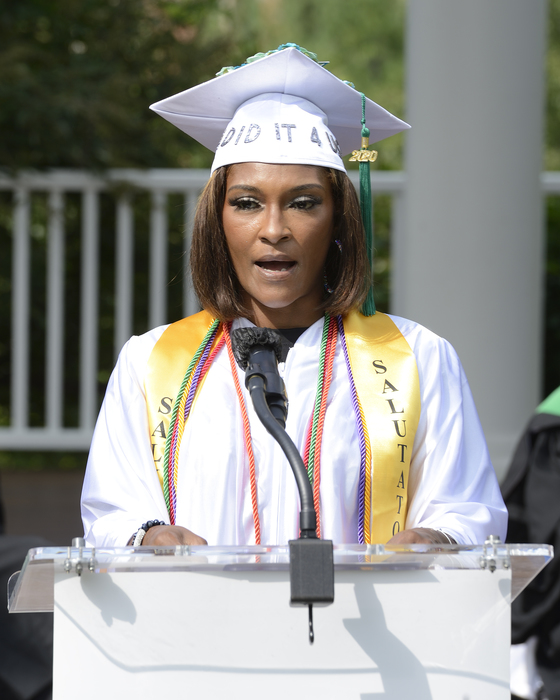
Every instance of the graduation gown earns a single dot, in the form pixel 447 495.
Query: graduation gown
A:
pixel 452 485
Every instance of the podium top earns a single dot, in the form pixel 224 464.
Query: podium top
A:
pixel 31 590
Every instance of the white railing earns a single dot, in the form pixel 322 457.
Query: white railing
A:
pixel 19 435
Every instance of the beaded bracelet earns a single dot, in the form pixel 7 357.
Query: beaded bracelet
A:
pixel 141 532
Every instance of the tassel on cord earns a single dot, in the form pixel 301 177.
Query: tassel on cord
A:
pixel 368 307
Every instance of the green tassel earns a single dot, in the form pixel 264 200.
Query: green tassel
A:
pixel 368 307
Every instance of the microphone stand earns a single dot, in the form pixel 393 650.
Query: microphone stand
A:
pixel 264 391
pixel 311 559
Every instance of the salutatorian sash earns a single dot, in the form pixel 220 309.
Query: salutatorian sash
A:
pixel 167 365
pixel 386 378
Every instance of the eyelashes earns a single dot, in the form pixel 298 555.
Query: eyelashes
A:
pixel 244 203
pixel 301 203
pixel 306 203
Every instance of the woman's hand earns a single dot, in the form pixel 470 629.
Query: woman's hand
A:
pixel 420 535
pixel 171 535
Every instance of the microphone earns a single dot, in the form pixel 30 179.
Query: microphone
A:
pixel 257 351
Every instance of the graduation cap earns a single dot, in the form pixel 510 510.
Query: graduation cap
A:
pixel 284 107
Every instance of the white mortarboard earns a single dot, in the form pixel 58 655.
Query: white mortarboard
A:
pixel 282 108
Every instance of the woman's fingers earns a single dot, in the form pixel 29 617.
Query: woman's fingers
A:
pixel 419 535
pixel 171 535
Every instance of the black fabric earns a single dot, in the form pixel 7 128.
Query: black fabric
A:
pixel 531 491
pixel 292 334
pixel 26 639
pixel 289 337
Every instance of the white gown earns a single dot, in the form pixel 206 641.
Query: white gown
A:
pixel 452 485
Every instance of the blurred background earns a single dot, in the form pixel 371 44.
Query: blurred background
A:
pixel 97 194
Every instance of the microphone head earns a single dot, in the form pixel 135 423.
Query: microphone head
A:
pixel 244 339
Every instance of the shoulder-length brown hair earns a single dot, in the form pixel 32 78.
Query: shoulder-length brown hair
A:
pixel 213 275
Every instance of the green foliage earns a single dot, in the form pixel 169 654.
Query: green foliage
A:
pixel 552 298
pixel 551 378
pixel 40 461
pixel 77 76
pixel 552 138
pixel 5 302
pixel 362 39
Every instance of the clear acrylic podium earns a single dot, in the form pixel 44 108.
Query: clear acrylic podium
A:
pixel 422 622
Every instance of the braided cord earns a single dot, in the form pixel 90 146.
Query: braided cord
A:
pixel 190 389
pixel 200 372
pixel 246 435
pixel 171 444
pixel 329 361
pixel 364 489
pixel 312 452
pixel 309 456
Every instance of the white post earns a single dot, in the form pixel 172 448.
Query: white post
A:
pixel 124 272
pixel 54 369
pixel 21 256
pixel 89 307
pixel 468 259
pixel 157 314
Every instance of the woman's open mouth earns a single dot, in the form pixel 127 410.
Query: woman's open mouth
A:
pixel 276 265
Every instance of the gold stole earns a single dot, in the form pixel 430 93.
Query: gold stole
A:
pixel 167 365
pixel 386 379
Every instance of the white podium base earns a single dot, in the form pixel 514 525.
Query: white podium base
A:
pixel 396 635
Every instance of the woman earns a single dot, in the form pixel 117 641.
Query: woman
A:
pixel 379 406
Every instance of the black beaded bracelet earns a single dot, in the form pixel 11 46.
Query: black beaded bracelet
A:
pixel 141 532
